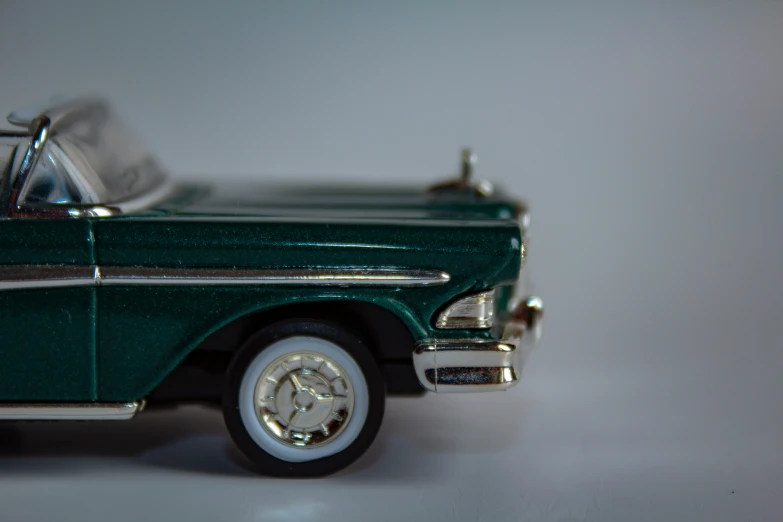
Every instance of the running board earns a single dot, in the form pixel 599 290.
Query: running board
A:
pixel 70 411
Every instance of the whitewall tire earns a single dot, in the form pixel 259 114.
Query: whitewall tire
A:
pixel 304 398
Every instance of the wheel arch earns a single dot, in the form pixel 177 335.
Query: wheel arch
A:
pixel 389 331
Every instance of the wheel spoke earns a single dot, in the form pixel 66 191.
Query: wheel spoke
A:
pixel 321 397
pixel 295 382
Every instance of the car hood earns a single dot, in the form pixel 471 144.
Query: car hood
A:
pixel 324 202
pixel 295 227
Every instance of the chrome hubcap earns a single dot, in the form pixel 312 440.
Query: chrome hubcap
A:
pixel 304 399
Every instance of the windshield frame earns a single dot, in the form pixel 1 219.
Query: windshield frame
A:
pixel 56 121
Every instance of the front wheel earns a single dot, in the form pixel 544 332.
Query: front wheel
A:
pixel 303 398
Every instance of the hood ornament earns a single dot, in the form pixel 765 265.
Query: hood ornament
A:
pixel 464 183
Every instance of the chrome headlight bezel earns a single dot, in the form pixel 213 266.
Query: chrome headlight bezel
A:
pixel 475 311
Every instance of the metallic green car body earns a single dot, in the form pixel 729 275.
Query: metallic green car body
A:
pixel 117 343
pixel 297 310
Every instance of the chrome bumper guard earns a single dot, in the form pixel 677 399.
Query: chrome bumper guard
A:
pixel 449 366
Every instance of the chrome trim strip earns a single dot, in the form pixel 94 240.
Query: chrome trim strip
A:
pixel 70 411
pixel 293 276
pixel 322 220
pixel 42 276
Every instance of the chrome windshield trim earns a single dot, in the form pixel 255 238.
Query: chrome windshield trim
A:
pixel 71 411
pixel 290 276
pixel 41 128
pixel 37 141
pixel 53 276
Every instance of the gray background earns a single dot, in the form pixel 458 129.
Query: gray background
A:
pixel 648 140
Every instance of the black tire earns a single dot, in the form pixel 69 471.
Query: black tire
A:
pixel 251 354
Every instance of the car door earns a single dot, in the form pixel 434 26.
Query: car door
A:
pixel 47 305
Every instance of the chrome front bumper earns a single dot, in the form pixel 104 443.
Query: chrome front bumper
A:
pixel 448 366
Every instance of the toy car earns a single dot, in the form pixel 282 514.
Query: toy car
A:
pixel 297 310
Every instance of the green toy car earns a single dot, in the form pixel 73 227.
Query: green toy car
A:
pixel 296 310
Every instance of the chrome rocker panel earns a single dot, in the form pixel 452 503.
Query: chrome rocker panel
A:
pixel 71 411
pixel 453 366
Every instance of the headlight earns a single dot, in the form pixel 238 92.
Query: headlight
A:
pixel 474 311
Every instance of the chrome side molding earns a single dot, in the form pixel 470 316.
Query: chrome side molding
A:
pixel 17 277
pixel 45 276
pixel 291 276
pixel 71 411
